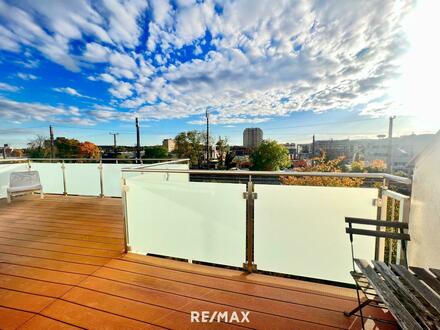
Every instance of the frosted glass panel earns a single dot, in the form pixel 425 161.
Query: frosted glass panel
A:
pixel 112 176
pixel 51 176
pixel 5 171
pixel 83 179
pixel 190 220
pixel 301 230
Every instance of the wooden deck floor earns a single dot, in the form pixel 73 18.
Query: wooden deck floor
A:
pixel 62 267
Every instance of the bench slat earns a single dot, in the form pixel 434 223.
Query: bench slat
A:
pixel 436 272
pixel 427 278
pixel 409 300
pixel 421 289
pixel 382 223
pixel 375 233
pixel 405 319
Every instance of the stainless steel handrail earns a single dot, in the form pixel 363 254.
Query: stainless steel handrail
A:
pixel 277 173
pixel 174 161
pixel 97 160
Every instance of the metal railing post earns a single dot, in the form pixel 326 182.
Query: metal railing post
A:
pixel 101 179
pixel 63 168
pixel 124 190
pixel 250 196
pixel 379 246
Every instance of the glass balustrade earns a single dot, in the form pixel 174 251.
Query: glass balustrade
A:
pixel 301 230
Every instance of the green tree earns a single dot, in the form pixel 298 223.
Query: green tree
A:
pixel 39 147
pixel 190 145
pixel 67 148
pixel 270 156
pixel 155 152
pixel 222 149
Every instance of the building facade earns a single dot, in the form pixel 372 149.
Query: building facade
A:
pixel 169 144
pixel 252 137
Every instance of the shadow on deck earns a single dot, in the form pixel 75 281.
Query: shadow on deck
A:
pixel 62 266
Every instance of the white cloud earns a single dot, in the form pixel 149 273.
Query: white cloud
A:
pixel 15 111
pixel 265 59
pixel 26 76
pixel 121 90
pixel 8 88
pixel 71 91
pixel 96 53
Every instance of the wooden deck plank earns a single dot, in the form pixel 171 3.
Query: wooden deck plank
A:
pixel 23 301
pixel 61 257
pixel 33 286
pixel 47 233
pixel 43 263
pixel 11 319
pixel 39 322
pixel 33 244
pixel 54 276
pixel 229 298
pixel 60 241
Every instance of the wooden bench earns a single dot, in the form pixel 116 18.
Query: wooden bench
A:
pixel 356 227
pixel 411 295
pixel 24 182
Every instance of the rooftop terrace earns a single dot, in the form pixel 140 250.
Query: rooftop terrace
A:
pixel 62 266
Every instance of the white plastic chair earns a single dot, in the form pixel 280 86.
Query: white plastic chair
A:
pixel 23 182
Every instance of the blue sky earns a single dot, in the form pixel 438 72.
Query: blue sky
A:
pixel 293 68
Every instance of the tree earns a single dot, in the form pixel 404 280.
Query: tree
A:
pixel 270 156
pixel 190 145
pixel 222 149
pixel 322 164
pixel 89 150
pixel 155 152
pixel 376 166
pixel 357 166
pixel 39 147
pixel 17 153
pixel 67 148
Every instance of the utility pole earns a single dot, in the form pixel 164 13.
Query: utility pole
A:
pixel 114 139
pixel 207 137
pixel 138 140
pixel 390 145
pixel 52 143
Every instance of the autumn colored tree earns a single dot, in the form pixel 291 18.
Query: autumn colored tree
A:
pixel 17 153
pixel 89 150
pixel 270 156
pixel 376 166
pixel 322 164
pixel 357 166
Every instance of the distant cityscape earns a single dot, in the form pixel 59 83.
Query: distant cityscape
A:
pixel 404 149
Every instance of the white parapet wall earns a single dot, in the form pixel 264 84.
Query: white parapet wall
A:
pixel 424 220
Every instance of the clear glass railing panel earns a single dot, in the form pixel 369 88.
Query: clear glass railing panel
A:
pixel 300 230
pixel 5 172
pixel 51 176
pixel 189 220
